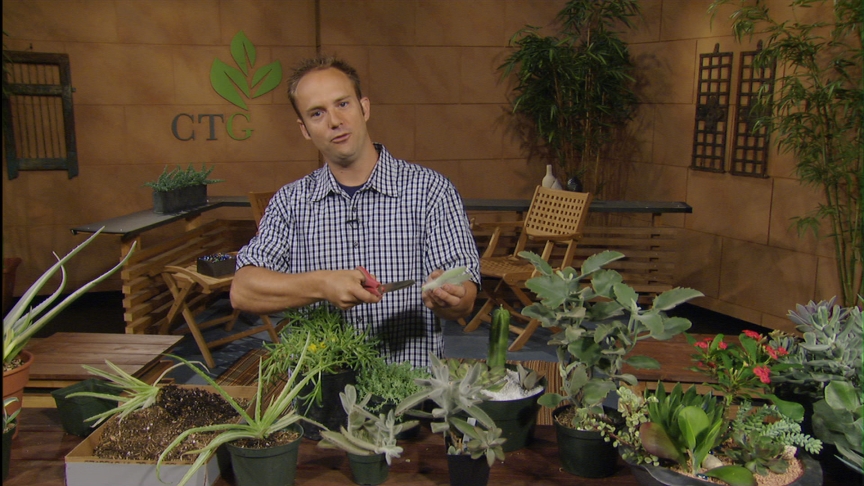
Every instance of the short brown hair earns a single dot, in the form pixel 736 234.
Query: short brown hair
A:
pixel 319 63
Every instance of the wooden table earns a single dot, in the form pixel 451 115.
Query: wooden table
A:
pixel 38 452
pixel 58 359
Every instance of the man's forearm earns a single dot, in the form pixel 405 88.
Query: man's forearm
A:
pixel 262 291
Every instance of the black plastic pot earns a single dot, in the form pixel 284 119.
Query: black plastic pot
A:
pixel 647 475
pixel 465 471
pixel 515 418
pixel 328 411
pixel 273 466
pixel 369 469
pixel 584 453
pixel 75 411
pixel 169 202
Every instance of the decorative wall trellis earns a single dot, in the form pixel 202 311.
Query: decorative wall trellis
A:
pixel 750 151
pixel 712 110
pixel 38 120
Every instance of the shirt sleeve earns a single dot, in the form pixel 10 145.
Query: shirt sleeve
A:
pixel 450 243
pixel 270 248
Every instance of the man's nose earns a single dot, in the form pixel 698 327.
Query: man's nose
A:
pixel 335 120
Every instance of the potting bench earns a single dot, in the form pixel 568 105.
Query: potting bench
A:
pixel 58 359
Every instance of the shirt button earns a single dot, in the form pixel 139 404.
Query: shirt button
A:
pixel 356 244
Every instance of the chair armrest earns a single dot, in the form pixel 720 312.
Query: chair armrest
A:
pixel 500 224
pixel 567 237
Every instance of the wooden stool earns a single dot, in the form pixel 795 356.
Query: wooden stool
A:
pixel 181 281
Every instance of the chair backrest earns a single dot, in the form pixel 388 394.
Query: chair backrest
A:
pixel 555 212
pixel 259 201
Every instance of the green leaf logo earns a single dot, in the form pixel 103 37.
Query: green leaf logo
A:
pixel 233 83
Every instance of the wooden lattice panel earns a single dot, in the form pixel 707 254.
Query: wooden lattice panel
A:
pixel 750 152
pixel 712 110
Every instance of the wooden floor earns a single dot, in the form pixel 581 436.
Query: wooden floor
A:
pixel 38 452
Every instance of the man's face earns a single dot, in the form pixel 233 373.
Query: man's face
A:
pixel 331 115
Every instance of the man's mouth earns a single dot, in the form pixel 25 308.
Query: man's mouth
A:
pixel 340 138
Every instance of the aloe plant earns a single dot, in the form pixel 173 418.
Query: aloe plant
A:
pixel 23 321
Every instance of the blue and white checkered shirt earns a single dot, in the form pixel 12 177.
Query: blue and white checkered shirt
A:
pixel 403 223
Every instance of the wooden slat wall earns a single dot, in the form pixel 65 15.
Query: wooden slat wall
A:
pixel 146 297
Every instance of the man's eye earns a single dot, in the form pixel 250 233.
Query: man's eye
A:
pixel 315 114
pixel 343 104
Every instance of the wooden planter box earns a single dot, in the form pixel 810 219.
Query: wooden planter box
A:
pixel 168 202
pixel 85 469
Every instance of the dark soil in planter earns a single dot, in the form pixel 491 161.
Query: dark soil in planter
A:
pixel 279 438
pixel 144 434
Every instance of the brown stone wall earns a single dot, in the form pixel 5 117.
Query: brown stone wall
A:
pixel 429 68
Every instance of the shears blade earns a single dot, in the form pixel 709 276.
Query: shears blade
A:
pixel 392 286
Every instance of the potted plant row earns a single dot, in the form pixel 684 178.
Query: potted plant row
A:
pixel 179 189
pixel 600 322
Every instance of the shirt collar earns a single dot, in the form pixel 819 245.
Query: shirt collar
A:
pixel 382 179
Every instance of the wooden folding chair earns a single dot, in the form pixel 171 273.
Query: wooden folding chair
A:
pixel 259 201
pixel 555 217
pixel 184 283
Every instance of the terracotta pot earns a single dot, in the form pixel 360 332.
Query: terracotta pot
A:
pixel 14 382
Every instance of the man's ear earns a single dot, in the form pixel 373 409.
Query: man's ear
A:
pixel 365 106
pixel 303 129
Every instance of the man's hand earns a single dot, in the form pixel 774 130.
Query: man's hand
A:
pixel 344 289
pixel 450 301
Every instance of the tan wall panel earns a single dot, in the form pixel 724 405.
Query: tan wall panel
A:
pixel 660 68
pixel 764 278
pixel 187 22
pixel 792 200
pixel 394 126
pixel 673 134
pixel 480 78
pixel 100 131
pixel 60 20
pixel 457 132
pixel 699 261
pixel 373 22
pixel 456 22
pixel 736 207
pixel 269 22
pixel 414 74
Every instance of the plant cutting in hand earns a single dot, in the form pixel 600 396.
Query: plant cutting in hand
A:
pixel 453 276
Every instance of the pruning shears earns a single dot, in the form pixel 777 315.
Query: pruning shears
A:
pixel 377 288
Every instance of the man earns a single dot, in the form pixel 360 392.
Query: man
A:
pixel 363 208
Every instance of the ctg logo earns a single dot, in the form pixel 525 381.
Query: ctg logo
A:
pixel 235 84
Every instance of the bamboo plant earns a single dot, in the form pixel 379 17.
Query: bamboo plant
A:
pixel 575 89
pixel 817 113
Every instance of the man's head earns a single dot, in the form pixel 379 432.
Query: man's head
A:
pixel 317 64
pixel 332 114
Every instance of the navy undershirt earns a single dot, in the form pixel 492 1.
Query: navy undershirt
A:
pixel 350 190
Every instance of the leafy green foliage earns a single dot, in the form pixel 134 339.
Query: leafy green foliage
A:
pixel 9 419
pixel 179 178
pixel 334 346
pixel 366 433
pixel 816 110
pixel 574 89
pixel 601 323
pixel 230 82
pixel 830 350
pixel 759 437
pixel 391 383
pixel 453 395
pixel 837 419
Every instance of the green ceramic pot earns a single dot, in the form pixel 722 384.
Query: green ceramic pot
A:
pixel 273 466
pixel 369 469
pixel 75 411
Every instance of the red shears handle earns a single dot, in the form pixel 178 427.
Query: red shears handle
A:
pixel 369 282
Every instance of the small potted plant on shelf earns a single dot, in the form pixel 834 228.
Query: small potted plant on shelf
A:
pixel 334 342
pixel 473 441
pixel 600 325
pixel 180 189
pixel 9 425
pixel 369 439
pixel 24 320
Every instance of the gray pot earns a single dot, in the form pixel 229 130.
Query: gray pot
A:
pixel 647 475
